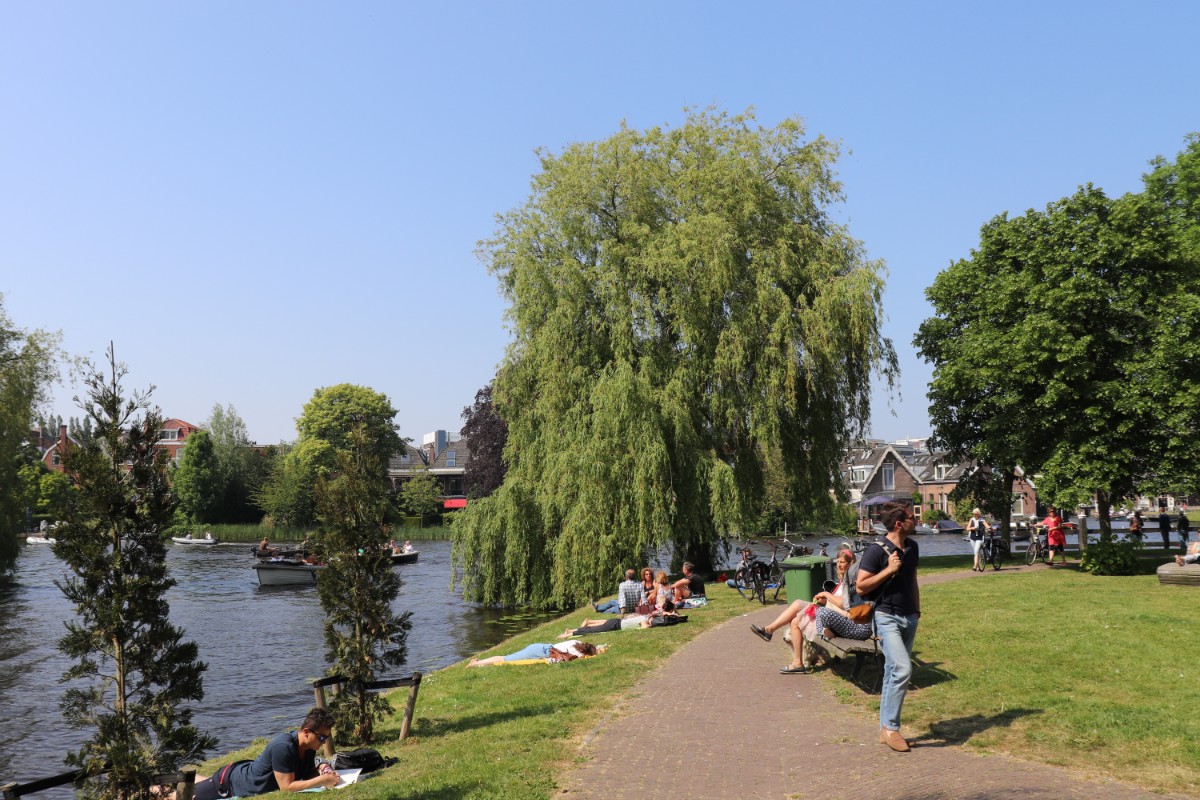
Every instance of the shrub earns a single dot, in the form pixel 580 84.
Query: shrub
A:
pixel 1112 558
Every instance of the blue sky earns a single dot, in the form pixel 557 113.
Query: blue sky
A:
pixel 254 200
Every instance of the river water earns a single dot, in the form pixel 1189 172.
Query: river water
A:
pixel 263 646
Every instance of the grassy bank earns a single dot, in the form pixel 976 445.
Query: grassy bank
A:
pixel 508 731
pixel 1095 674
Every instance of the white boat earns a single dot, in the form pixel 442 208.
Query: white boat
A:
pixel 405 558
pixel 189 540
pixel 40 540
pixel 287 573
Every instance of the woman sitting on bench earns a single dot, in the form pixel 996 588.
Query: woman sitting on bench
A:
pixel 805 619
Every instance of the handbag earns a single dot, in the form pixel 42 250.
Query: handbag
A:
pixel 862 612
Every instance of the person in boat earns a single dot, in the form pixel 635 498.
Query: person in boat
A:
pixel 563 651
pixel 208 536
pixel 287 763
pixel 408 546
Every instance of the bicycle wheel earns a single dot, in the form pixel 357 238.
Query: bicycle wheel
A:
pixel 997 555
pixel 757 588
pixel 743 581
pixel 1033 553
pixel 776 577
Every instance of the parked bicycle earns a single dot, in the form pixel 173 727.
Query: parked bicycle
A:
pixel 995 548
pixel 1038 549
pixel 754 578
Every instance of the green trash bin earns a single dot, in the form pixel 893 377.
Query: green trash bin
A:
pixel 804 576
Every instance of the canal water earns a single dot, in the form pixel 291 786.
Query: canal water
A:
pixel 263 646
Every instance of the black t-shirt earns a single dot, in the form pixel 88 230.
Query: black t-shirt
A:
pixel 899 594
pixel 696 585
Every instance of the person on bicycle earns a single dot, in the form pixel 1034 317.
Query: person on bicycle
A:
pixel 1055 537
pixel 977 528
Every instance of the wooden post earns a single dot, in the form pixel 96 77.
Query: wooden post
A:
pixel 9 791
pixel 319 696
pixel 186 787
pixel 411 706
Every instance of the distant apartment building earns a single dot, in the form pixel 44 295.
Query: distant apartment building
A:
pixel 443 455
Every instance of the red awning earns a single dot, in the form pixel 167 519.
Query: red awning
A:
pixel 457 502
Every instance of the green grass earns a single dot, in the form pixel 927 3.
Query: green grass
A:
pixel 1098 674
pixel 509 731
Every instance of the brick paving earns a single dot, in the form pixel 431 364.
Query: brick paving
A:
pixel 707 725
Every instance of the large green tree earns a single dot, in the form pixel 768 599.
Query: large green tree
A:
pixel 134 673
pixel 28 366
pixel 243 467
pixel 199 482
pixel 1056 343
pixel 681 301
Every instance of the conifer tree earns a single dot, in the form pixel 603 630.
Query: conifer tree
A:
pixel 138 672
pixel 363 635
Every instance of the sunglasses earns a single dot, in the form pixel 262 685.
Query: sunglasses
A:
pixel 320 739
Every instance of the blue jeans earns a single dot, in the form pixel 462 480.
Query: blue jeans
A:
pixel 609 607
pixel 532 651
pixel 896 635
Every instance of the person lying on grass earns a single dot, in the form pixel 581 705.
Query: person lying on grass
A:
pixel 566 651
pixel 287 763
pixel 631 622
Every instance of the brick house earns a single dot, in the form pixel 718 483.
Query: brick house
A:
pixel 172 437
pixel 444 456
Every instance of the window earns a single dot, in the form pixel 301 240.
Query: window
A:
pixel 889 477
pixel 860 474
pixel 168 436
pixel 450 458
pixel 57 459
pixel 940 472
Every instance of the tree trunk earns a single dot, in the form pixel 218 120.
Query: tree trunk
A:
pixel 1103 501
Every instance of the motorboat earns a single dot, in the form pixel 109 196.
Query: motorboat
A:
pixel 948 526
pixel 923 530
pixel 207 540
pixel 405 558
pixel 287 572
pixel 39 539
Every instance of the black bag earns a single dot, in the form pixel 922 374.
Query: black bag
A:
pixel 667 619
pixel 367 759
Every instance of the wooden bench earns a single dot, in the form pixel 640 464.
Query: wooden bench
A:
pixel 861 649
pixel 334 682
pixel 1172 573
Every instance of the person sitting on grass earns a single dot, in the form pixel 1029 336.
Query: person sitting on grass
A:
pixel 690 585
pixel 663 595
pixel 629 596
pixel 287 763
pixel 564 651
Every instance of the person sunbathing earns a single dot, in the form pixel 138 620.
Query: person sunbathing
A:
pixel 564 651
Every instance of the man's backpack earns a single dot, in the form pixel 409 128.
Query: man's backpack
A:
pixel 367 759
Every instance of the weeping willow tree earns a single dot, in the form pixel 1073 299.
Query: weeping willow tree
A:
pixel 682 304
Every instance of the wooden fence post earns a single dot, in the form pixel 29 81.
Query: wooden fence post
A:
pixel 9 791
pixel 411 706
pixel 185 789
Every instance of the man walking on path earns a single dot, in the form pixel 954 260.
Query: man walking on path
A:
pixel 1164 527
pixel 888 575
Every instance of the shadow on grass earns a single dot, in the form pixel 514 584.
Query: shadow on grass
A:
pixel 440 727
pixel 959 730
pixel 452 791
pixel 925 674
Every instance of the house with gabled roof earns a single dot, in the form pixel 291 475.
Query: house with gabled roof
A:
pixel 442 455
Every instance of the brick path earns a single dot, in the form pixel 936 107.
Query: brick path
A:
pixel 675 737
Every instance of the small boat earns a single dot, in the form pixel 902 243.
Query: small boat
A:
pixel 208 540
pixel 286 572
pixel 923 530
pixel 40 539
pixel 405 558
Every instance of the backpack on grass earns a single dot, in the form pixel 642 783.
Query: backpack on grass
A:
pixel 367 759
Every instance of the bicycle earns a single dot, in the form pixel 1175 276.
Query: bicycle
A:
pixel 993 551
pixel 1038 548
pixel 753 578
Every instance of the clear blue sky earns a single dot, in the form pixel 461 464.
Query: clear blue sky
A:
pixel 257 199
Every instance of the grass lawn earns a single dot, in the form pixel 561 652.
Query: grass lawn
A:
pixel 508 731
pixel 1096 674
